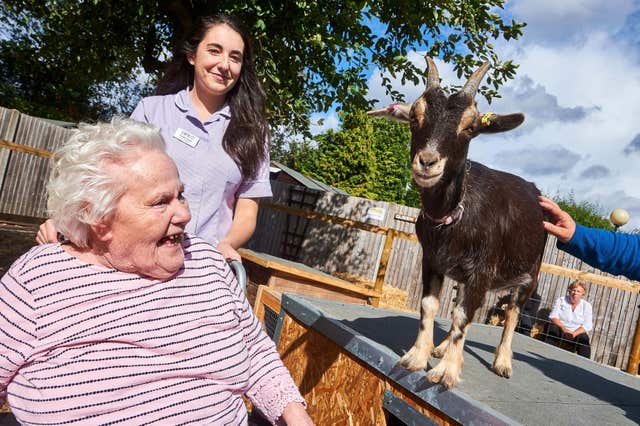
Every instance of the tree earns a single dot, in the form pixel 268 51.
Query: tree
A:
pixel 367 157
pixel 344 158
pixel 75 60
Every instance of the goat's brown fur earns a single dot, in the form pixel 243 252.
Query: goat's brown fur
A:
pixel 496 243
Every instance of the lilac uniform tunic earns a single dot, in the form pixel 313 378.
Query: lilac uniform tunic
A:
pixel 213 181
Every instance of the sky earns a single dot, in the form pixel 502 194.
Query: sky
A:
pixel 578 85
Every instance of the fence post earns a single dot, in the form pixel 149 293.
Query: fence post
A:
pixel 382 269
pixel 634 355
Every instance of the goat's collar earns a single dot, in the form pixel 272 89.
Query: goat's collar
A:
pixel 456 214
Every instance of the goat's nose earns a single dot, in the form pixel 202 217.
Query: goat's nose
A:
pixel 427 159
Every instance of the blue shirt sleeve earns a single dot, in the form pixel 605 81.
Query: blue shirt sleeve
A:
pixel 613 252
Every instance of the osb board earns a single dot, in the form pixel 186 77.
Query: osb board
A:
pixel 292 284
pixel 338 388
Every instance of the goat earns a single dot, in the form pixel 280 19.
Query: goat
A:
pixel 478 226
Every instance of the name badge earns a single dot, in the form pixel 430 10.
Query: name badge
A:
pixel 186 137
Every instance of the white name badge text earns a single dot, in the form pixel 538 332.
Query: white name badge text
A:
pixel 186 137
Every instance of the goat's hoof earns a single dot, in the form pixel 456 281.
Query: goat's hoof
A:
pixel 503 370
pixel 502 362
pixel 434 376
pixel 447 380
pixel 438 352
pixel 415 359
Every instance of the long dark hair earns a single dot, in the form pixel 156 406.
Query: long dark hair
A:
pixel 246 140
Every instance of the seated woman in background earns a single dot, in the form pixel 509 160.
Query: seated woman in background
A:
pixel 571 319
pixel 131 320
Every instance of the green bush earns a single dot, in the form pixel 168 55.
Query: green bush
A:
pixel 585 213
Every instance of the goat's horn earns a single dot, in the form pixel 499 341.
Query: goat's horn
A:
pixel 433 79
pixel 474 81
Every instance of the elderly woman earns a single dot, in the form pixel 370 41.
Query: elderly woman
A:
pixel 131 321
pixel 572 318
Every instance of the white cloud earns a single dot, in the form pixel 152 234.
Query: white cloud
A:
pixel 634 146
pixel 541 107
pixel 566 21
pixel 320 123
pixel 530 160
pixel 597 171
pixel 578 85
pixel 597 81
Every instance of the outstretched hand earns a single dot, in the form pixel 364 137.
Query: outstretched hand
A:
pixel 562 224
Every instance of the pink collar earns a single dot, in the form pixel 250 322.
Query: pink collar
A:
pixel 450 219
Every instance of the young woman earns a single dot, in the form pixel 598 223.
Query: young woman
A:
pixel 209 106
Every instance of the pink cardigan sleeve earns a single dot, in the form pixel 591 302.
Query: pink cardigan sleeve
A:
pixel 17 324
pixel 271 387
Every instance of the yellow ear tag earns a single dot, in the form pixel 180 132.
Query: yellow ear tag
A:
pixel 486 119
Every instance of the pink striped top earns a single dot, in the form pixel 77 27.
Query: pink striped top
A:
pixel 83 344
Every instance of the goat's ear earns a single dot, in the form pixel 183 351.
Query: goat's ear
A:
pixel 495 123
pixel 397 111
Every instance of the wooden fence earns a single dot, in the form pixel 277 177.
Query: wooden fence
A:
pixel 344 249
pixel 26 142
pixel 25 146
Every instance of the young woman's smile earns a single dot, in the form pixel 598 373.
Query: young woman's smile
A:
pixel 217 62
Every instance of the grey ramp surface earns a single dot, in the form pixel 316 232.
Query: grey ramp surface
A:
pixel 549 386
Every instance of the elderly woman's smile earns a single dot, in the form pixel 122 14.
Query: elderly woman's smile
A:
pixel 146 232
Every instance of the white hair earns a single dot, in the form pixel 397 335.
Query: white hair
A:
pixel 82 191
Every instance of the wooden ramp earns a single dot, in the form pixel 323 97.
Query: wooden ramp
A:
pixel 343 356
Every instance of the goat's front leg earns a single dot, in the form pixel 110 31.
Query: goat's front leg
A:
pixel 418 356
pixel 441 349
pixel 448 371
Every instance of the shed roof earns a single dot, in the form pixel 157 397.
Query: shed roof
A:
pixel 305 180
